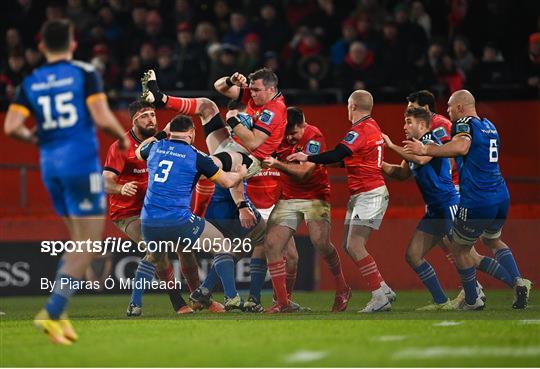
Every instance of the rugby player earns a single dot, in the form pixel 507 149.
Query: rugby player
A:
pixel 126 178
pixel 173 168
pixel 361 152
pixel 66 98
pixel 305 195
pixel 484 201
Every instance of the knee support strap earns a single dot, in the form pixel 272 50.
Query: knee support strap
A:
pixel 213 125
pixel 226 160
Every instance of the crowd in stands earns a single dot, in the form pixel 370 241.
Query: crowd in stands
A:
pixel 388 47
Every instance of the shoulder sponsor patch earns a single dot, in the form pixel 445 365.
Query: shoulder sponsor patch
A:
pixel 266 116
pixel 440 132
pixel 351 137
pixel 313 147
pixel 463 128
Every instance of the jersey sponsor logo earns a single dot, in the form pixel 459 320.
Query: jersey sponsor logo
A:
pixel 351 137
pixel 139 171
pixel 313 147
pixel 440 132
pixel 266 116
pixel 463 128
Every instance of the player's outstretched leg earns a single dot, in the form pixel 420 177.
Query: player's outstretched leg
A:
pixel 505 258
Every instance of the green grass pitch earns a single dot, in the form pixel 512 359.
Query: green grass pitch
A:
pixel 497 336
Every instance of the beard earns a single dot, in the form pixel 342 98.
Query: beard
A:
pixel 147 132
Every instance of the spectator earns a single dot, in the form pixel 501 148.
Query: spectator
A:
pixel 491 71
pixel 13 41
pixel 205 34
pixel 449 76
pixel 131 87
pixel 113 31
pixel 225 64
pixel 340 48
pixel 272 30
pixel 251 60
pixel 365 31
pixel 324 22
pixel 79 16
pixel 166 71
pixel 358 70
pixel 136 30
pixel 533 67
pixel 237 31
pixel 133 67
pixel 271 61
pixel 313 72
pixel 463 57
pixel 147 55
pixel 106 67
pixel 222 13
pixel 153 29
pixel 183 12
pixel 410 34
pixel 191 60
pixel 420 17
pixel 33 58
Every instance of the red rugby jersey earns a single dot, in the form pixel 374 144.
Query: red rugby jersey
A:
pixel 364 166
pixel 318 185
pixel 128 168
pixel 442 128
pixel 263 189
pixel 270 118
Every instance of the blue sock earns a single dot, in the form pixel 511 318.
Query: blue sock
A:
pixel 257 273
pixel 506 259
pixel 428 276
pixel 468 280
pixel 493 268
pixel 211 279
pixel 61 295
pixel 224 264
pixel 144 275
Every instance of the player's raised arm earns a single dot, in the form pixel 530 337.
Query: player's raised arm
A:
pixel 458 146
pixel 422 160
pixel 400 172
pixel 230 85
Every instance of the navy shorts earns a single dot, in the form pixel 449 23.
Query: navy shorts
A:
pixel 80 195
pixel 485 221
pixel 224 215
pixel 187 231
pixel 438 220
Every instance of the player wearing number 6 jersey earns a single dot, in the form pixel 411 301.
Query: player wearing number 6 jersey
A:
pixel 484 202
pixel 361 151
pixel 66 98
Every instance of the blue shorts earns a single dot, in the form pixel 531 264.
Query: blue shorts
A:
pixel 224 215
pixel 438 220
pixel 485 221
pixel 187 231
pixel 80 195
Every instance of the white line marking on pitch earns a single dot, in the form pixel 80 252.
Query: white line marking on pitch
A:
pixel 447 323
pixel 530 321
pixel 305 356
pixel 449 351
pixel 389 338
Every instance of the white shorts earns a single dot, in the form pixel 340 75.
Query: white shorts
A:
pixel 230 145
pixel 290 213
pixel 367 208
pixel 265 213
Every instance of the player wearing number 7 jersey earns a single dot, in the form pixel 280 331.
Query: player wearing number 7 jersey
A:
pixel 361 151
pixel 484 202
pixel 66 98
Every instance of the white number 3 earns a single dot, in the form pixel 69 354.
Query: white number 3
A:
pixel 164 171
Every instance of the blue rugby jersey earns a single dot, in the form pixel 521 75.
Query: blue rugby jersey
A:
pixel 480 179
pixel 57 94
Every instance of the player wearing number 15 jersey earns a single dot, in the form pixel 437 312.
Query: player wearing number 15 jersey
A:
pixel 66 98
pixel 361 151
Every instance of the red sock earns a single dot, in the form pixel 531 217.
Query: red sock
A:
pixel 290 277
pixel 204 190
pixel 190 272
pixel 448 255
pixel 166 275
pixel 333 262
pixel 182 105
pixel 277 273
pixel 370 272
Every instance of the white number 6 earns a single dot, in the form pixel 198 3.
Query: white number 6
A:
pixel 493 151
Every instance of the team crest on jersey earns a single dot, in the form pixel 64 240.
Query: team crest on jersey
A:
pixel 439 132
pixel 463 128
pixel 351 137
pixel 266 117
pixel 299 148
pixel 313 147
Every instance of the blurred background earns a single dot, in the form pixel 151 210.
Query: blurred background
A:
pixel 321 51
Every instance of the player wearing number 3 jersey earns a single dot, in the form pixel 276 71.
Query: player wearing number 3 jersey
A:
pixel 361 151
